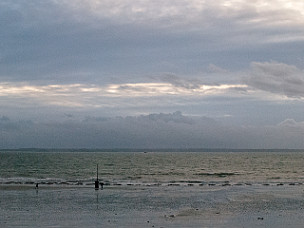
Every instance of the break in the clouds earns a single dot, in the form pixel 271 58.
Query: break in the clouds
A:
pixel 237 63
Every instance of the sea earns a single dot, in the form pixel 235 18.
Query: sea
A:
pixel 151 168
pixel 151 189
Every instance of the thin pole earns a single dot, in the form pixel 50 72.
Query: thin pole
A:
pixel 97 181
pixel 97 172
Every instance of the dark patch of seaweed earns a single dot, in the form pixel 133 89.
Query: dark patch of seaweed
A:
pixel 186 181
pixel 222 174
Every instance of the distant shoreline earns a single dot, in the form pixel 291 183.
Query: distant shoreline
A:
pixel 147 150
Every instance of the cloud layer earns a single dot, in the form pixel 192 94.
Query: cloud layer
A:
pixel 148 131
pixel 104 41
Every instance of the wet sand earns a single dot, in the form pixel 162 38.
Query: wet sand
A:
pixel 161 206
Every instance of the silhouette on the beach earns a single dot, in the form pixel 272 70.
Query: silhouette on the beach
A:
pixel 36 186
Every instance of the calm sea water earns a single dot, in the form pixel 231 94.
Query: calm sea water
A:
pixel 231 190
pixel 153 168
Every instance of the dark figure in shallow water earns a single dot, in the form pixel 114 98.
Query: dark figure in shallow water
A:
pixel 36 186
pixel 96 185
pixel 101 185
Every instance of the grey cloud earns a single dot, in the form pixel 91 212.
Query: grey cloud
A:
pixel 68 115
pixel 151 131
pixel 278 78
pixel 216 69
pixel 70 41
pixel 95 119
pixel 4 119
pixel 181 82
pixel 9 126
pixel 176 117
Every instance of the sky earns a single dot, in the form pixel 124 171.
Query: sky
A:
pixel 152 74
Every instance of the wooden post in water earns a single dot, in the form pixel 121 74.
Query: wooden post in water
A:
pixel 97 181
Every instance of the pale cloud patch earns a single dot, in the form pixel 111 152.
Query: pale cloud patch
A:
pixel 81 95
pixel 293 132
pixel 195 15
pixel 258 11
pixel 292 124
pixel 61 95
pixel 216 69
pixel 261 21
pixel 161 89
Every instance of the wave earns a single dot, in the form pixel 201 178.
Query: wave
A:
pixel 222 174
pixel 170 183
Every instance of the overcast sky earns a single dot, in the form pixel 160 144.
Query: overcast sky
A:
pixel 152 74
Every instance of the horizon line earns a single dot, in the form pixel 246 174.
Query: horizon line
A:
pixel 37 149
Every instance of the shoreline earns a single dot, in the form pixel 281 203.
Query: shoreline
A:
pixel 189 183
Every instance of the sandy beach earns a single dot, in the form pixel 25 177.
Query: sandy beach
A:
pixel 141 206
